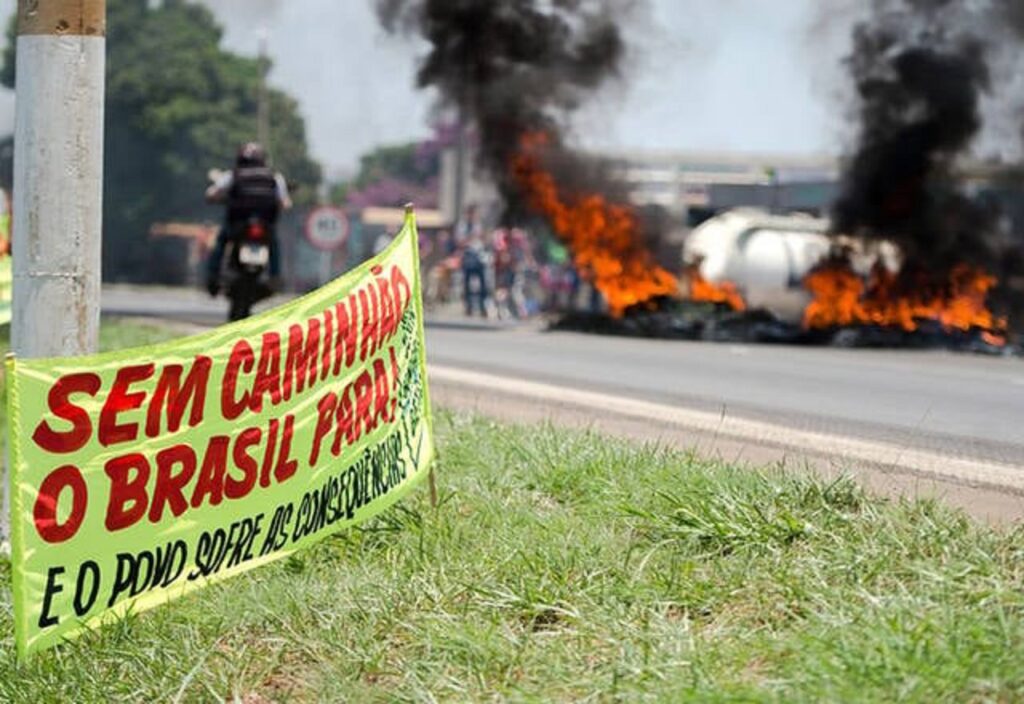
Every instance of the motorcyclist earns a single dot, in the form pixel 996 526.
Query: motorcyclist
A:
pixel 249 190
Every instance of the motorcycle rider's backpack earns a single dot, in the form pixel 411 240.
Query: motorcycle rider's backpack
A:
pixel 253 193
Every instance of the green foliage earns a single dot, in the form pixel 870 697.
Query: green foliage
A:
pixel 398 162
pixel 338 192
pixel 393 175
pixel 177 106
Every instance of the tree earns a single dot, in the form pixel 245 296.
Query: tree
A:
pixel 177 106
pixel 394 175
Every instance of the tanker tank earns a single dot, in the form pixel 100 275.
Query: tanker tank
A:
pixel 765 255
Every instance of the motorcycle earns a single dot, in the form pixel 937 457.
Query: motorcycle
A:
pixel 248 265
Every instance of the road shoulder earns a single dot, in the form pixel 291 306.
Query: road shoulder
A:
pixel 987 491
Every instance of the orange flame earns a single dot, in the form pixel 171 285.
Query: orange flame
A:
pixel 704 291
pixel 604 237
pixel 841 297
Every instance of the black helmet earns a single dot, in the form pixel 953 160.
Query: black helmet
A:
pixel 251 154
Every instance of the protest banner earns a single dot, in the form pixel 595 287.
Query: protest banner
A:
pixel 142 475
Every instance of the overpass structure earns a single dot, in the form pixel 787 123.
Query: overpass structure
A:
pixel 702 183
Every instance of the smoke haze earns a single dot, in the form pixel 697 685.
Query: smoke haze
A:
pixel 514 67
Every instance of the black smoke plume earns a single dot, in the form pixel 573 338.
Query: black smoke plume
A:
pixel 515 67
pixel 1011 12
pixel 920 69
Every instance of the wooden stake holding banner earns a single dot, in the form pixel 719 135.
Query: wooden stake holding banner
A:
pixel 433 488
pixel 410 215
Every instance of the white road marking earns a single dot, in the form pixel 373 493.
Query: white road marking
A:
pixel 896 457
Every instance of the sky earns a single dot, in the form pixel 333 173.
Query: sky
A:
pixel 732 75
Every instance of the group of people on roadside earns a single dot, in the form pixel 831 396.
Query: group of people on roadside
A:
pixel 502 273
pixel 489 269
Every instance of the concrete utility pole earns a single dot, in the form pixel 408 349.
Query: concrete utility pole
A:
pixel 58 180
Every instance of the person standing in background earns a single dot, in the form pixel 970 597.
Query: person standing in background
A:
pixel 470 238
pixel 504 274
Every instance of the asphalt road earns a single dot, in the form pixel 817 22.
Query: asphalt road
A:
pixel 183 305
pixel 962 406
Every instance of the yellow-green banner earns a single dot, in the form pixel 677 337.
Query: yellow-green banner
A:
pixel 142 475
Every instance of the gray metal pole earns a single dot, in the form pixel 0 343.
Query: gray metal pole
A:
pixel 58 181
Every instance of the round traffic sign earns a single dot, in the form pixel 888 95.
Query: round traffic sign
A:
pixel 327 228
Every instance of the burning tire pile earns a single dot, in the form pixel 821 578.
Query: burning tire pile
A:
pixel 711 322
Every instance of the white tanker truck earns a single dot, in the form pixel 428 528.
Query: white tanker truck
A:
pixel 765 255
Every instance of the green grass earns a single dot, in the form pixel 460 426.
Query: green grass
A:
pixel 115 334
pixel 570 566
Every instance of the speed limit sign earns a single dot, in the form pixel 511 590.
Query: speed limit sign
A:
pixel 327 228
